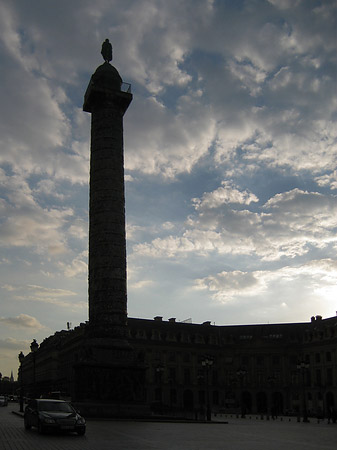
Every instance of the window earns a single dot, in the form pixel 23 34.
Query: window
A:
pixel 172 374
pixel 173 396
pixel 260 360
pixel 201 397
pixel 172 356
pixel 329 376
pixel 187 357
pixel 158 374
pixel 276 360
pixel 201 376
pixel 293 360
pixel 157 395
pixel 215 397
pixel 187 376
pixel 317 358
pixel 245 360
pixel 328 356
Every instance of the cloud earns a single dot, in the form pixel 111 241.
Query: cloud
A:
pixel 140 284
pixel 14 344
pixel 226 285
pixel 78 266
pixel 230 153
pixel 177 141
pixel 34 293
pixel 229 51
pixel 27 223
pixel 48 188
pixel 328 180
pixel 43 292
pixel 22 321
pixel 79 229
pixel 288 225
pixel 318 276
pixel 224 195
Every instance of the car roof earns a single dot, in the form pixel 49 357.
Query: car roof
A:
pixel 50 400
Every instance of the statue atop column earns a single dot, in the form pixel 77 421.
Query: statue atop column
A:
pixel 106 51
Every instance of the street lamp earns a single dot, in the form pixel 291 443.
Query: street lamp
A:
pixel 241 373
pixel 159 372
pixel 21 357
pixel 207 363
pixel 302 367
pixel 271 379
pixel 34 347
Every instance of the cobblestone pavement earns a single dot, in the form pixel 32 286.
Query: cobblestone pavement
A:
pixel 238 434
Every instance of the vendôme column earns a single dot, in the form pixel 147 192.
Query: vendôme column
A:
pixel 107 103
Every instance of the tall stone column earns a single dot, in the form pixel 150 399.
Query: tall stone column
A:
pixel 108 378
pixel 107 104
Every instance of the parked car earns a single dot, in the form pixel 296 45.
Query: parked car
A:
pixel 3 400
pixel 57 415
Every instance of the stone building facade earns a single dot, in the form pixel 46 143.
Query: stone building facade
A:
pixel 254 368
pixel 265 369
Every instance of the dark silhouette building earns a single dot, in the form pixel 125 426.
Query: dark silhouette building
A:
pixel 265 369
pixel 117 366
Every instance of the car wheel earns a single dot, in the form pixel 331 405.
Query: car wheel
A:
pixel 81 432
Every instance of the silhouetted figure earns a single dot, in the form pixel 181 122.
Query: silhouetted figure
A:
pixel 106 51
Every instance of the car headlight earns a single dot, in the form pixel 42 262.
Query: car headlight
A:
pixel 48 420
pixel 81 421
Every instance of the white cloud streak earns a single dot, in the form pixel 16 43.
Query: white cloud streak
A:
pixel 22 321
pixel 288 225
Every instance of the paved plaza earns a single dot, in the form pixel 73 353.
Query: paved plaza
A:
pixel 238 434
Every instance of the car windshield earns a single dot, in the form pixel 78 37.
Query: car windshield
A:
pixel 55 406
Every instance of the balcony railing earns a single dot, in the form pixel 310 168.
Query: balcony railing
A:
pixel 126 87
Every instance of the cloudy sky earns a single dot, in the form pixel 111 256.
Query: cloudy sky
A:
pixel 230 158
